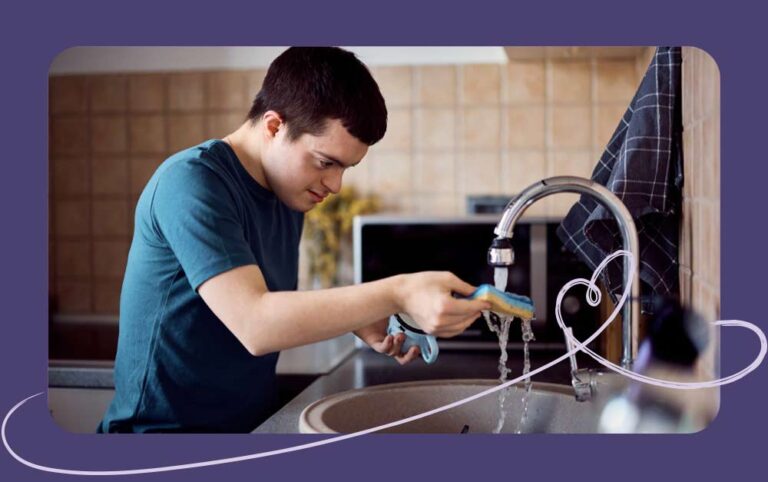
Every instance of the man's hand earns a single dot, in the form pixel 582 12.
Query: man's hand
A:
pixel 428 298
pixel 376 337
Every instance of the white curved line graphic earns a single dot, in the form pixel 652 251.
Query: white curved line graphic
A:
pixel 593 297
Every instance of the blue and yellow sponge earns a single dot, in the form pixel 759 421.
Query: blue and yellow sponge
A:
pixel 505 303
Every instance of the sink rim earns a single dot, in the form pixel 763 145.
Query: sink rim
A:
pixel 310 420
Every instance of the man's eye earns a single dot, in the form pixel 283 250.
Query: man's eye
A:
pixel 326 164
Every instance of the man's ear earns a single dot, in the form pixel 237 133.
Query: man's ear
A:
pixel 272 123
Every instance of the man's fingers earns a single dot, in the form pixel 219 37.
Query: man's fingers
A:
pixel 396 345
pixel 463 307
pixel 409 356
pixel 386 345
pixel 459 286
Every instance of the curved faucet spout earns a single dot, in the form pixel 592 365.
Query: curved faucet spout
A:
pixel 517 206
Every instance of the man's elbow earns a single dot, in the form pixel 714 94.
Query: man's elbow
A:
pixel 258 350
pixel 254 344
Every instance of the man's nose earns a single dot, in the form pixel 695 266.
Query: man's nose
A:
pixel 332 181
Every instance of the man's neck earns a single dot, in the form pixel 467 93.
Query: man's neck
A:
pixel 245 143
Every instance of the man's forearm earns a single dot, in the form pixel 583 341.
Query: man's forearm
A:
pixel 285 319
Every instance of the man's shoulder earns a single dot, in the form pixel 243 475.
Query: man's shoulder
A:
pixel 195 167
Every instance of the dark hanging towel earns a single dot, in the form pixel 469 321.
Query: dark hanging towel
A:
pixel 643 166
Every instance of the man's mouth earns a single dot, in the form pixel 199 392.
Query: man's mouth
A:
pixel 316 197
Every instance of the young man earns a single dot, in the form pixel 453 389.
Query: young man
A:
pixel 209 296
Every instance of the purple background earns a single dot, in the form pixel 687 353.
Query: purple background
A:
pixel 32 36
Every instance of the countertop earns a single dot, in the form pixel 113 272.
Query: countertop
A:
pixel 365 367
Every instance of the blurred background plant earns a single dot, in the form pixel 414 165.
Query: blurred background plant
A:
pixel 328 228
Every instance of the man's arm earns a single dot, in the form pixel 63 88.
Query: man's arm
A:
pixel 265 321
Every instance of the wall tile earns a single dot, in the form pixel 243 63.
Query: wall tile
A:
pixel 481 128
pixel 69 136
pixel 525 82
pixel 521 169
pixel 73 258
pixel 186 92
pixel 68 94
pixel 561 204
pixel 436 128
pixel 478 173
pixel 685 286
pixel 572 163
pixel 108 93
pixel 147 134
pixel 436 86
pixel 399 130
pixel 110 176
pixel 220 125
pixel 703 246
pixel 358 177
pixel 686 233
pixel 710 237
pixel 146 93
pixel 525 127
pixel 571 81
pixel 616 81
pixel 185 131
pixel 70 177
pixel 715 233
pixel 395 84
pixel 72 297
pixel 687 164
pixel 109 217
pixel 437 205
pixel 109 134
pixel 480 85
pixel 687 83
pixel 109 258
pixel 711 166
pixel 435 173
pixel 226 90
pixel 398 203
pixel 141 170
pixel 716 163
pixel 391 172
pixel 571 126
pixel 699 166
pixel 254 80
pixel 698 74
pixel 710 74
pixel 106 296
pixel 72 218
pixel 608 118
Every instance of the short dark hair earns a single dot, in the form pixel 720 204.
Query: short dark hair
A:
pixel 309 85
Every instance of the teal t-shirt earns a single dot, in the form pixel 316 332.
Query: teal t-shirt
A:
pixel 178 368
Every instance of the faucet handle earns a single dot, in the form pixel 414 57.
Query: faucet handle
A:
pixel 584 382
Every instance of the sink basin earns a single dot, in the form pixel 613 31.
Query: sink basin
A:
pixel 551 408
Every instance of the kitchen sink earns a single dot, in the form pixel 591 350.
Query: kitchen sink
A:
pixel 552 408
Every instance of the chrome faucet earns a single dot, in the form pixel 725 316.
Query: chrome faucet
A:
pixel 501 254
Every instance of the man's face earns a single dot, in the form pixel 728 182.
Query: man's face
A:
pixel 302 173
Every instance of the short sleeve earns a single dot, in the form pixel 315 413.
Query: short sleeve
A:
pixel 196 213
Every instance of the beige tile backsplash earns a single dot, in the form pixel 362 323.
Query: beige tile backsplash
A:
pixel 700 230
pixel 453 130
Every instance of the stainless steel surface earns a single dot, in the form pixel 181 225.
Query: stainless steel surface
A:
pixel 559 184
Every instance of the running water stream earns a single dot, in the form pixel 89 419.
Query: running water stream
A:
pixel 499 324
